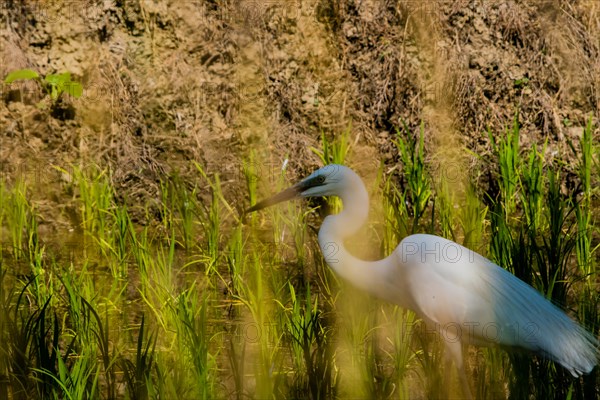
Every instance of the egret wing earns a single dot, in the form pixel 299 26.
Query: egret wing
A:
pixel 450 284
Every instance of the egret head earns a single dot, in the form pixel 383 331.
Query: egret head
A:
pixel 326 181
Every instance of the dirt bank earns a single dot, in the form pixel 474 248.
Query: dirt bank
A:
pixel 171 82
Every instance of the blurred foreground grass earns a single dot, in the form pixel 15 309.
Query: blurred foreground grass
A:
pixel 205 306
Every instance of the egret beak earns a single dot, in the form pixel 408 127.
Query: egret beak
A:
pixel 287 194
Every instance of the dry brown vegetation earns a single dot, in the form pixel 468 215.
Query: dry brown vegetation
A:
pixel 174 81
pixel 223 83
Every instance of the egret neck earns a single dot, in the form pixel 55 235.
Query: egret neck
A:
pixel 370 276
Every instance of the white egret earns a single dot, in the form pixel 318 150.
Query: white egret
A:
pixel 463 295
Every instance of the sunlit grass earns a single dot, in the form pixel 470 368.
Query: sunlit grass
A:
pixel 418 181
pixel 18 217
pixel 202 305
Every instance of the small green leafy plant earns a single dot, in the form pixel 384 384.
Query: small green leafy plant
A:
pixel 54 85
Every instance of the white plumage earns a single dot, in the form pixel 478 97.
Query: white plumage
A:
pixel 461 294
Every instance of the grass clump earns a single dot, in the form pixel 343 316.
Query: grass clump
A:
pixel 203 306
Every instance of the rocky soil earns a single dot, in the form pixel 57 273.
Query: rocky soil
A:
pixel 218 82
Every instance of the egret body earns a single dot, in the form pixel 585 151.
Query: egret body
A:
pixel 461 294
